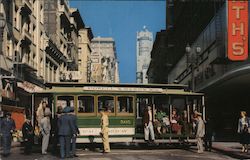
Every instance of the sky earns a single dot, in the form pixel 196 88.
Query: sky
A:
pixel 122 20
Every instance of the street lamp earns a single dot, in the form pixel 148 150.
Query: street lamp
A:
pixel 2 25
pixel 192 60
pixel 198 51
pixel 188 50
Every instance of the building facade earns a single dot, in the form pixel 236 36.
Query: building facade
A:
pixel 104 62
pixel 208 69
pixel 84 53
pixel 144 43
pixel 62 25
pixel 39 43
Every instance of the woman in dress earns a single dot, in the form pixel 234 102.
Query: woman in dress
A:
pixel 243 127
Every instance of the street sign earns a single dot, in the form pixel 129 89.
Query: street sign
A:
pixel 237 46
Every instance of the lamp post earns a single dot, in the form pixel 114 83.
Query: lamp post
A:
pixel 2 25
pixel 188 51
pixel 192 60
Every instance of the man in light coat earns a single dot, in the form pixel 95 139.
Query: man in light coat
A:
pixel 45 130
pixel 200 132
pixel 105 130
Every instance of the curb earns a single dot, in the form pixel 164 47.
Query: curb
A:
pixel 231 153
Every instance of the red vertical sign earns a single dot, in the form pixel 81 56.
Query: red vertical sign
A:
pixel 237 46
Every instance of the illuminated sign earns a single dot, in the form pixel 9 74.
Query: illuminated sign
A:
pixel 237 46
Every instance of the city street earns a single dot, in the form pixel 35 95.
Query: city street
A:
pixel 127 154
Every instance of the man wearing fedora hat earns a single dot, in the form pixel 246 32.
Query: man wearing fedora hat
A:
pixel 45 129
pixel 200 132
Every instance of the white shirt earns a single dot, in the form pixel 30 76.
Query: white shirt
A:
pixel 150 116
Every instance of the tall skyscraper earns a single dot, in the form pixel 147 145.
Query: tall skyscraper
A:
pixel 144 44
pixel 104 66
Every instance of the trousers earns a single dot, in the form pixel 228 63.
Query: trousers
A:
pixel 200 145
pixel 64 146
pixel 28 146
pixel 73 145
pixel 149 130
pixel 45 143
pixel 105 139
pixel 6 139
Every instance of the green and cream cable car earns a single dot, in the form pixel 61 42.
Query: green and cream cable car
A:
pixel 126 103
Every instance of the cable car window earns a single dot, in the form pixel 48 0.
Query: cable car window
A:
pixel 63 101
pixel 106 102
pixel 85 104
pixel 125 105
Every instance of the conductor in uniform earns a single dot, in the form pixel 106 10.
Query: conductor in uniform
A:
pixel 105 130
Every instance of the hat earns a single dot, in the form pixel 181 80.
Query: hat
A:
pixel 104 109
pixel 7 114
pixel 67 109
pixel 72 109
pixel 47 112
pixel 197 113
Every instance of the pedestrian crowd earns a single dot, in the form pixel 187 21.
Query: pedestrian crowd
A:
pixel 63 129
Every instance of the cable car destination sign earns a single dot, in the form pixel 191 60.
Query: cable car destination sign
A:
pixel 237 46
pixel 124 89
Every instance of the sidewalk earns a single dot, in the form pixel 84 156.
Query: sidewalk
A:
pixel 232 149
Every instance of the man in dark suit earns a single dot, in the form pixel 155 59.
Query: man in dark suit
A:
pixel 65 132
pixel 75 131
pixel 28 135
pixel 148 124
pixel 7 128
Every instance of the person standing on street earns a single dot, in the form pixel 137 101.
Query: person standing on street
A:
pixel 65 132
pixel 40 112
pixel 148 124
pixel 75 131
pixel 7 128
pixel 243 130
pixel 54 130
pixel 28 135
pixel 105 130
pixel 200 132
pixel 208 134
pixel 45 129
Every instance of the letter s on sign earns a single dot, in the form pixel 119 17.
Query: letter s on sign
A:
pixel 238 48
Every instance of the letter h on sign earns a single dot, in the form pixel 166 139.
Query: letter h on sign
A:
pixel 237 45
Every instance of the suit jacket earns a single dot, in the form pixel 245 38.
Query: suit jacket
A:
pixel 7 125
pixel 104 120
pixel 146 117
pixel 200 129
pixel 73 119
pixel 65 125
pixel 241 126
pixel 27 131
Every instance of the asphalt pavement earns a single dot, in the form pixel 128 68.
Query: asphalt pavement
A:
pixel 118 153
